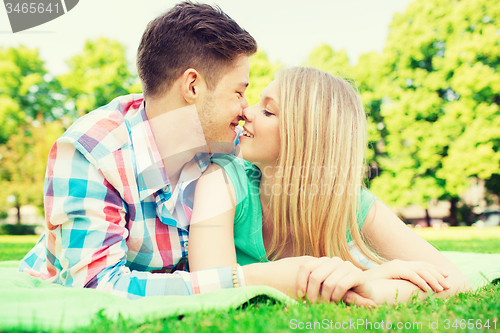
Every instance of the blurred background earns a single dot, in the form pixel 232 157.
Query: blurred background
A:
pixel 428 72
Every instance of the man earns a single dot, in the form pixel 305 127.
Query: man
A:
pixel 119 182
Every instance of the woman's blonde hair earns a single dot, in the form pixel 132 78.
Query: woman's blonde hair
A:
pixel 321 165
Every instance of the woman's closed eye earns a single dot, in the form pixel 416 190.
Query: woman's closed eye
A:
pixel 267 113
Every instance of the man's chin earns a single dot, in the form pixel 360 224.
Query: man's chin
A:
pixel 221 147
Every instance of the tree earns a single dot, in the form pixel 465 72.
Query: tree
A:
pixel 30 101
pixel 22 164
pixel 440 106
pixel 365 77
pixel 27 91
pixel 98 75
pixel 371 86
pixel 261 74
pixel 323 57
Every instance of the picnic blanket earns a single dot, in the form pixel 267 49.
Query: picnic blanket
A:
pixel 30 304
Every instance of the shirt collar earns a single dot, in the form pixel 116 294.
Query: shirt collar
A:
pixel 151 174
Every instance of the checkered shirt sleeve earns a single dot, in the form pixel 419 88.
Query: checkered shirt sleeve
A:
pixel 87 236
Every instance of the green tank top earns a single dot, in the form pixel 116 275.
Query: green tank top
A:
pixel 248 240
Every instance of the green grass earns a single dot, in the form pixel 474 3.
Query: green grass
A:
pixel 484 246
pixel 464 239
pixel 262 316
pixel 15 247
pixel 267 317
pixel 460 233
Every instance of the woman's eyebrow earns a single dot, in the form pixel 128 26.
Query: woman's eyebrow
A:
pixel 265 98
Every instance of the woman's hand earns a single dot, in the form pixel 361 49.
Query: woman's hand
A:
pixel 394 240
pixel 331 280
pixel 292 274
pixel 421 273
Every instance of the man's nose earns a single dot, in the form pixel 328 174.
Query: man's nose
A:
pixel 244 103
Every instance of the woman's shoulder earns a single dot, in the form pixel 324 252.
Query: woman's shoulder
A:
pixel 227 159
pixel 244 177
pixel 235 173
pixel 236 167
pixel 366 197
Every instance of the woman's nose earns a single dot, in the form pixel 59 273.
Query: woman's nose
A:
pixel 248 114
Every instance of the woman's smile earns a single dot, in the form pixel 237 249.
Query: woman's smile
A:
pixel 246 133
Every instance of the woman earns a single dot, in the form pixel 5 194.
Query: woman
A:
pixel 304 196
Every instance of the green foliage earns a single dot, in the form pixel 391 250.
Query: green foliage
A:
pixel 23 162
pixel 98 75
pixel 435 96
pixel 370 86
pixel 31 101
pixel 261 74
pixel 27 92
pixel 325 58
pixel 493 187
pixel 17 229
pixel 465 214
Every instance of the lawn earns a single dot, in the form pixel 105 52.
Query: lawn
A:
pixel 15 247
pixel 471 312
pixel 464 239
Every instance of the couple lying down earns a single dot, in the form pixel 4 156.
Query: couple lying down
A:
pixel 297 197
pixel 121 205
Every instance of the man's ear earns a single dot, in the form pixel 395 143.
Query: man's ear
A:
pixel 192 85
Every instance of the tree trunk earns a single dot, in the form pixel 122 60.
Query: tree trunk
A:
pixel 18 207
pixel 452 220
pixel 427 217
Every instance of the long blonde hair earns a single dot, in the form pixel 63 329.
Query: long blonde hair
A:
pixel 321 160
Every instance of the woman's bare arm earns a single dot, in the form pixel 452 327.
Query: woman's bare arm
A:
pixel 211 237
pixel 392 239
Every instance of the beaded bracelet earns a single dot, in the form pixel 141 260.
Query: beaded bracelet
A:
pixel 235 277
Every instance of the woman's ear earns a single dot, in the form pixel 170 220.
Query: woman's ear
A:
pixel 192 85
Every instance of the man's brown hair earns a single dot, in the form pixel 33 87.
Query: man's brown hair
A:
pixel 190 35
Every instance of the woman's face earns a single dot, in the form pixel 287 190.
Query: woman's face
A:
pixel 260 141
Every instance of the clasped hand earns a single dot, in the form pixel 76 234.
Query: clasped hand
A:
pixel 333 279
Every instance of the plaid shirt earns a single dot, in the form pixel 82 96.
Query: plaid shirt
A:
pixel 112 220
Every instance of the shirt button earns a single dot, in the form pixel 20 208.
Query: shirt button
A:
pixel 186 245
